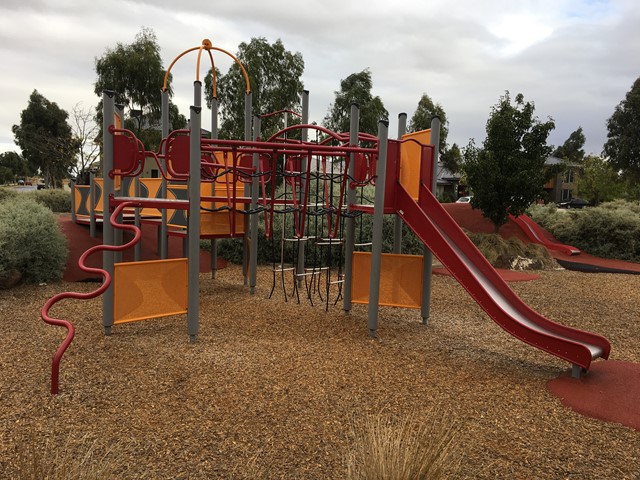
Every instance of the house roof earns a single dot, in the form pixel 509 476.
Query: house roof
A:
pixel 444 176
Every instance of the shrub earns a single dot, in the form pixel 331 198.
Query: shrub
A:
pixel 7 194
pixel 57 200
pixel 611 230
pixel 31 241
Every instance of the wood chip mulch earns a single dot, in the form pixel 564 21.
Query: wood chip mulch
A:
pixel 272 389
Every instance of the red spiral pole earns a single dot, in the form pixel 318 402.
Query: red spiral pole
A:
pixel 57 357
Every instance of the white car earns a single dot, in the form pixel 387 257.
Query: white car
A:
pixel 464 200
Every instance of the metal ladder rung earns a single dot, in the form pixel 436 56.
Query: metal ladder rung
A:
pixel 282 269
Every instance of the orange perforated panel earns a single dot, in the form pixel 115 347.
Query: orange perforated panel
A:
pixel 400 279
pixel 150 289
pixel 410 161
pixel 219 223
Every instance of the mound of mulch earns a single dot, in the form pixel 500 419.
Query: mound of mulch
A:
pixel 272 389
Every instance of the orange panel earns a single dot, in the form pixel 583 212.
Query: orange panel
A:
pixel 410 161
pixel 400 279
pixel 219 223
pixel 152 187
pixel 151 289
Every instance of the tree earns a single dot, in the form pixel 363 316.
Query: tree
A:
pixel 599 181
pixel 136 75
pixel 356 88
pixel 12 166
pixel 623 144
pixel 507 174
pixel 421 119
pixel 452 158
pixel 572 150
pixel 274 75
pixel 85 131
pixel 46 139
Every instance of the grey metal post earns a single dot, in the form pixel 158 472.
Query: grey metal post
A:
pixel 92 205
pixel 118 234
pixel 163 237
pixel 193 232
pixel 350 224
pixel 397 225
pixel 247 188
pixel 378 219
pixel 303 181
pixel 72 187
pixel 214 135
pixel 107 190
pixel 137 248
pixel 253 253
pixel 425 309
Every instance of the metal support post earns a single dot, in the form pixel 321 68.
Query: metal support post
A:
pixel 425 309
pixel 193 232
pixel 350 223
pixel 92 205
pixel 247 189
pixel 397 225
pixel 107 190
pixel 163 237
pixel 255 191
pixel 214 135
pixel 378 219
pixel 303 181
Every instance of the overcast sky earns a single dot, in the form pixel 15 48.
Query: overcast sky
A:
pixel 576 59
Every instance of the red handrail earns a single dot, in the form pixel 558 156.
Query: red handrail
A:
pixel 57 357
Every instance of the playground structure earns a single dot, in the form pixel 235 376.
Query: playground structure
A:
pixel 212 188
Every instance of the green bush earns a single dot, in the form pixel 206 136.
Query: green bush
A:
pixel 7 194
pixel 31 241
pixel 57 200
pixel 611 230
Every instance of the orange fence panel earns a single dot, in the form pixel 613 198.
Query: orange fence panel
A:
pixel 410 161
pixel 150 289
pixel 400 279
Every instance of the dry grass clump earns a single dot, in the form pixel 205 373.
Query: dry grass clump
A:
pixel 512 253
pixel 51 461
pixel 403 449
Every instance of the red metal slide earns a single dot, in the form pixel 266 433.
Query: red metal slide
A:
pixel 446 240
pixel 535 233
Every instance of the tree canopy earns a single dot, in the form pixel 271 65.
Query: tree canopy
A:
pixel 45 138
pixel 507 174
pixel 136 75
pixel 274 74
pixel 598 181
pixel 572 150
pixel 134 71
pixel 12 166
pixel 356 88
pixel 421 119
pixel 623 137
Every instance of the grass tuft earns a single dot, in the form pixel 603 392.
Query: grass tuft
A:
pixel 412 447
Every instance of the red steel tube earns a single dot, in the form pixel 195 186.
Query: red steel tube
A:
pixel 57 357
